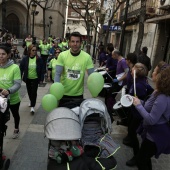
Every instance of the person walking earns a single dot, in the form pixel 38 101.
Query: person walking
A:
pixel 102 57
pixel 44 51
pixel 14 40
pixel 71 67
pixel 144 59
pixel 118 82
pixel 10 83
pixel 28 41
pixel 111 64
pixel 31 67
pixel 155 127
pixel 52 65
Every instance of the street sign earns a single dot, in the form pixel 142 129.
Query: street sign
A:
pixel 112 28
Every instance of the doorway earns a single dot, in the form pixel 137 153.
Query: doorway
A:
pixel 13 24
pixel 127 43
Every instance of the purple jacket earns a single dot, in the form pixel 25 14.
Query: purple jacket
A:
pixel 156 114
pixel 102 58
pixel 111 63
pixel 141 92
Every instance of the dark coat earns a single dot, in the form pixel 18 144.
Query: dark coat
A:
pixel 144 59
pixel 24 68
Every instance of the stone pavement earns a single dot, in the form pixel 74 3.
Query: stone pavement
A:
pixel 30 150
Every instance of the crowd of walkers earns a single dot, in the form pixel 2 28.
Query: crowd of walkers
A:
pixel 64 61
pixel 32 69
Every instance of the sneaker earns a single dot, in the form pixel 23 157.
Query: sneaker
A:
pixel 15 134
pixel 131 162
pixel 127 141
pixel 32 110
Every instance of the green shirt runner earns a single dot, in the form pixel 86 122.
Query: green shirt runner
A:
pixel 7 77
pixel 74 70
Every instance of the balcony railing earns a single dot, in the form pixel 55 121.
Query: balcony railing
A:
pixel 135 6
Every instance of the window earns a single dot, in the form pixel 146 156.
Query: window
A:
pixel 76 22
pixel 91 12
pixel 76 5
pixel 74 14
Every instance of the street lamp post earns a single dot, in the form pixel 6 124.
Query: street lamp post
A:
pixel 34 6
pixel 94 44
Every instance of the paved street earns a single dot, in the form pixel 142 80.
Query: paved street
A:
pixel 29 151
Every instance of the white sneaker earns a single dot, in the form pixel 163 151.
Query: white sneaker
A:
pixel 32 110
pixel 15 134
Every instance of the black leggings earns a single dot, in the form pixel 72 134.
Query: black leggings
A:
pixel 132 128
pixel 110 98
pixel 32 86
pixel 146 152
pixel 44 59
pixel 71 101
pixel 15 112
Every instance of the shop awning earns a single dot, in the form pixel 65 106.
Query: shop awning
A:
pixel 158 18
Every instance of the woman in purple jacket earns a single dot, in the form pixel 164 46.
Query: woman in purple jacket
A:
pixel 134 118
pixel 155 129
pixel 102 57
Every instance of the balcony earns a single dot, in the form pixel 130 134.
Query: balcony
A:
pixel 135 6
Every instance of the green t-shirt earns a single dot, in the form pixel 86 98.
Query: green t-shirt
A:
pixel 32 73
pixel 74 71
pixel 44 48
pixel 7 77
pixel 28 42
pixel 61 46
pixel 40 42
pixel 64 45
pixel 51 39
pixel 52 65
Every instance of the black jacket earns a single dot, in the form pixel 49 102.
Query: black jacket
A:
pixel 24 68
pixel 144 59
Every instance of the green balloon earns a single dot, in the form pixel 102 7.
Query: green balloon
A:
pixel 49 102
pixel 57 89
pixel 95 83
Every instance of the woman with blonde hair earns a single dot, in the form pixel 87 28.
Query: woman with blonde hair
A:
pixel 155 112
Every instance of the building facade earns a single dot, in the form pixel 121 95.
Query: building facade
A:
pixel 18 20
pixel 78 17
pixel 156 29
